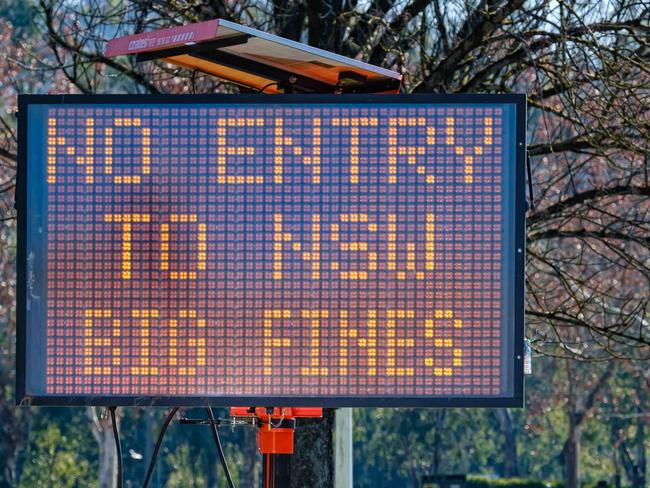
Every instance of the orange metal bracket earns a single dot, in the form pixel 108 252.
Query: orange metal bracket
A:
pixel 276 428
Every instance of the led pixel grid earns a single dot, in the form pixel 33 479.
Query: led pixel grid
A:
pixel 271 250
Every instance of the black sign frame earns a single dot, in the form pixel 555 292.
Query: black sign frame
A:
pixel 514 263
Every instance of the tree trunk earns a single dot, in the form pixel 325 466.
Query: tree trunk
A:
pixel 579 405
pixel 617 470
pixel 312 463
pixel 415 476
pixel 107 461
pixel 571 454
pixel 642 471
pixel 640 441
pixel 509 442
pixel 437 441
pixel 635 466
pixel 211 478
pixel 148 441
pixel 103 432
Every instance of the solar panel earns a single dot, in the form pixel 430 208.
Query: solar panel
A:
pixel 256 59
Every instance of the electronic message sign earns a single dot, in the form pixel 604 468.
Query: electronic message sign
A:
pixel 271 250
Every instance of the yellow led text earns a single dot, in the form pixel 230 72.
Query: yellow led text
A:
pixel 145 146
pixel 164 246
pixel 354 123
pixel 224 149
pixel 284 241
pixel 314 368
pixel 145 317
pixel 127 221
pixel 270 339
pixel 90 321
pixel 439 342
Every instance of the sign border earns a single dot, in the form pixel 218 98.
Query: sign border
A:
pixel 517 256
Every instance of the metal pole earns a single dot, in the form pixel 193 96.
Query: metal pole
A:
pixel 343 455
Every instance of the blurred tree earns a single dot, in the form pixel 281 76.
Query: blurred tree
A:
pixel 312 463
pixel 58 453
pixel 51 462
pixel 581 396
pixel 585 66
pixel 13 424
pixel 504 415
pixel 395 447
pixel 102 430
pixel 628 416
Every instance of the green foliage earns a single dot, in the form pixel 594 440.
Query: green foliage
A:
pixel 396 445
pixel 542 426
pixel 479 482
pixel 186 470
pixel 58 459
pixel 594 484
pixel 483 482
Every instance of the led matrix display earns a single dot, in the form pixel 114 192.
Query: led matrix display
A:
pixel 322 251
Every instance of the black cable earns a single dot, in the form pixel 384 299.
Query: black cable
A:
pixel 215 434
pixel 161 435
pixel 530 181
pixel 118 448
